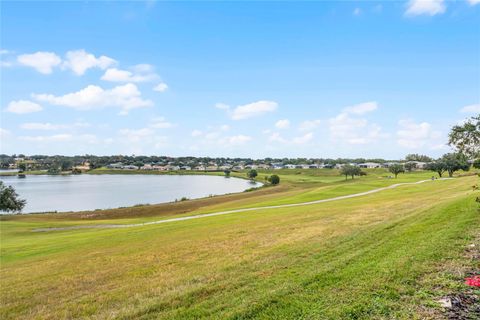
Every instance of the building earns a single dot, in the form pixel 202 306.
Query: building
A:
pixel 370 165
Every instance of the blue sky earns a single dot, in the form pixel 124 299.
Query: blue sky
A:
pixel 253 79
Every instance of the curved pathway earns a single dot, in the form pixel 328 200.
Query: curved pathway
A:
pixel 111 226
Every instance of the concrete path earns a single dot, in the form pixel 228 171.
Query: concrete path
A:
pixel 206 215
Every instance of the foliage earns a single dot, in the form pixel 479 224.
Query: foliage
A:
pixel 53 170
pixel 349 170
pixel 437 166
pixel 22 166
pixel 227 173
pixel 454 162
pixel 418 157
pixel 9 201
pixel 409 166
pixel 274 179
pixel 476 164
pixel 252 174
pixel 396 169
pixel 465 138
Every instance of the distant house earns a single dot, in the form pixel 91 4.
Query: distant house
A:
pixel 290 166
pixel 238 167
pixel 186 168
pixel 130 167
pixel 313 166
pixel 370 165
pixel 117 165
pixel 146 167
pixel 418 164
pixel 389 164
pixel 83 167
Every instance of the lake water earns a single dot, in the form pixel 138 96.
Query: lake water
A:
pixel 89 192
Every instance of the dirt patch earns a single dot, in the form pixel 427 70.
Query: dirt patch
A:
pixel 463 306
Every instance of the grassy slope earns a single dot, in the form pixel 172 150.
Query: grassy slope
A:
pixel 361 258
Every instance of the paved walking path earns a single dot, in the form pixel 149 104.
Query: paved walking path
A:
pixel 206 215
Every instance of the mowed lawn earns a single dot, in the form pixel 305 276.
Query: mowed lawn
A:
pixel 381 256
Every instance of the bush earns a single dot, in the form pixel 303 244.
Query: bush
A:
pixel 274 179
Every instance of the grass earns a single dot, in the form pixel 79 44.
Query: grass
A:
pixel 361 258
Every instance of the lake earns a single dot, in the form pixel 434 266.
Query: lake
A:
pixel 46 193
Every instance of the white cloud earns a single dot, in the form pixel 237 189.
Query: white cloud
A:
pixel 473 2
pixel 42 126
pixel 222 106
pixel 254 109
pixel 139 73
pixel 235 140
pixel 349 128
pixel 357 11
pixel 80 61
pixel 473 108
pixel 43 62
pixel 362 108
pixel 136 135
pixel 196 133
pixel 276 137
pixel 126 97
pixel 425 7
pixel 283 124
pixel 23 106
pixel 225 127
pixel 53 138
pixel 161 87
pixel 309 125
pixel 160 123
pixel 416 135
pixel 303 139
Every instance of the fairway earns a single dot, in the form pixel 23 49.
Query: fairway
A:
pixel 389 254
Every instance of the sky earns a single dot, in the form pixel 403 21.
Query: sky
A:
pixel 237 79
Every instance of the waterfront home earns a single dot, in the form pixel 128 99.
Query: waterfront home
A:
pixel 117 165
pixel 370 165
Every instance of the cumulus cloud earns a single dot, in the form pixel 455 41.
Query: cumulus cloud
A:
pixel 283 124
pixel 309 125
pixel 425 7
pixel 276 137
pixel 161 87
pixel 416 135
pixel 79 61
pixel 160 123
pixel 126 97
pixel 362 108
pixel 473 108
pixel 43 62
pixel 46 126
pixel 23 106
pixel 473 2
pixel 138 73
pixel 235 140
pixel 352 129
pixel 303 139
pixel 253 109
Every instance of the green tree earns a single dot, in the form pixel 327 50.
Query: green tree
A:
pixel 454 162
pixel 437 166
pixel 274 179
pixel 252 174
pixel 465 138
pixel 227 173
pixel 9 201
pixel 396 169
pixel 349 170
pixel 409 166
pixel 418 157
pixel 22 166
pixel 476 164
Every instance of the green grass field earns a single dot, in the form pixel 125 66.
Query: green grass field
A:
pixel 388 255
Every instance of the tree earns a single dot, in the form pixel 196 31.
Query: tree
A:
pixel 465 138
pixel 346 170
pixel 418 157
pixel 349 170
pixel 476 164
pixel 409 166
pixel 396 169
pixel 227 173
pixel 274 179
pixel 22 166
pixel 9 201
pixel 454 162
pixel 437 166
pixel 252 174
